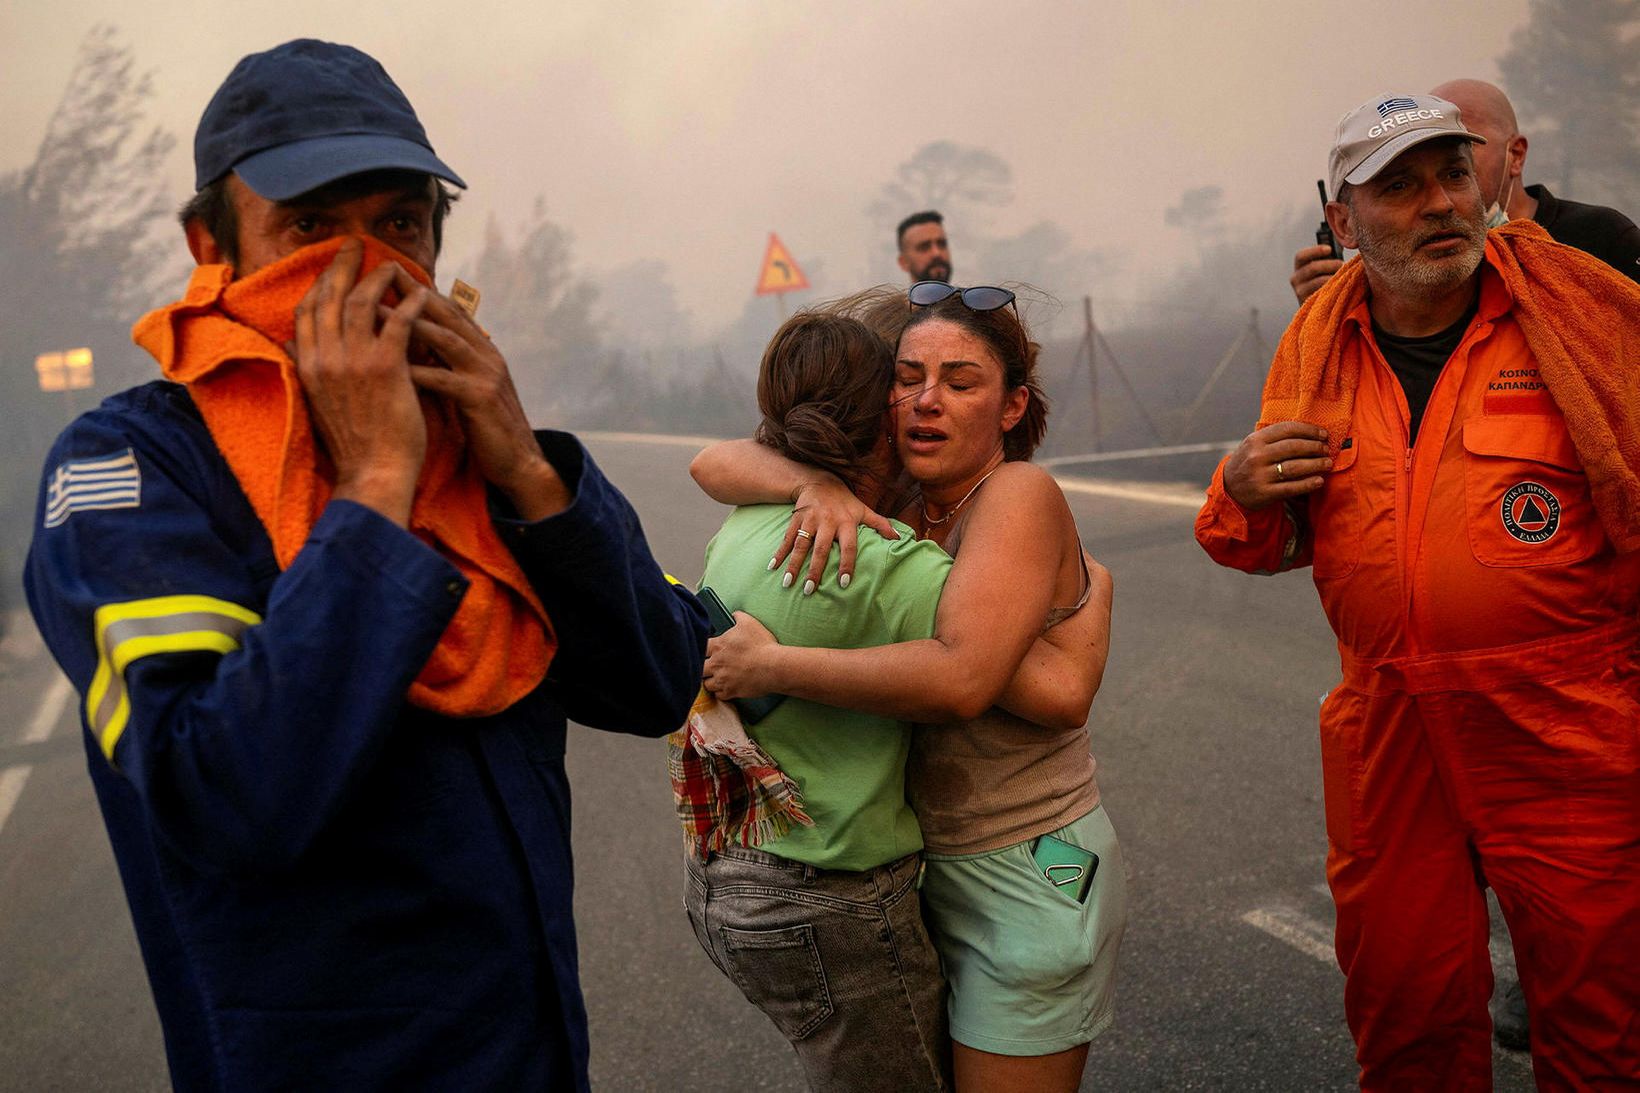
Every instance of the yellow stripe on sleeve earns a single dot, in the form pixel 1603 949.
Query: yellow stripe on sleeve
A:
pixel 127 632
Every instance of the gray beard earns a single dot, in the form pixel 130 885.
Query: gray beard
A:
pixel 1395 263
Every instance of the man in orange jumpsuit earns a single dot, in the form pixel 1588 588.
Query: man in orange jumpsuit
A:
pixel 1487 728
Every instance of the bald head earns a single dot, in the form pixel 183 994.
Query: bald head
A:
pixel 1498 163
pixel 1486 109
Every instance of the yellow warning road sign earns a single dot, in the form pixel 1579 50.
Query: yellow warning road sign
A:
pixel 780 272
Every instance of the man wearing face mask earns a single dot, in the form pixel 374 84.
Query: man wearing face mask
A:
pixel 1446 439
pixel 1499 163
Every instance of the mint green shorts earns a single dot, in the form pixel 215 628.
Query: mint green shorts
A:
pixel 1031 971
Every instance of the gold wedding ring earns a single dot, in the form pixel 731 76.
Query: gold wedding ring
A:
pixel 803 533
pixel 1281 475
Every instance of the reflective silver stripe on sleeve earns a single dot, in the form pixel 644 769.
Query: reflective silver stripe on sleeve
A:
pixel 128 632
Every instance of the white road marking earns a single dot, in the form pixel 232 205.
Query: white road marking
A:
pixel 1124 491
pixel 1302 932
pixel 12 781
pixel 1141 453
pixel 1315 939
pixel 48 711
pixel 46 715
pixel 22 641
pixel 1182 497
pixel 653 438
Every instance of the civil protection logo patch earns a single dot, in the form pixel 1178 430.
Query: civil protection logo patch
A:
pixel 1530 512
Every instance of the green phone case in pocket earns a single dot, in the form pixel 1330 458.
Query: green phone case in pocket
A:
pixel 1066 866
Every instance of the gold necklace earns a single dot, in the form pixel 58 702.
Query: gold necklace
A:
pixel 930 522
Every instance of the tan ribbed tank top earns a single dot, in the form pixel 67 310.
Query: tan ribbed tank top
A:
pixel 998 779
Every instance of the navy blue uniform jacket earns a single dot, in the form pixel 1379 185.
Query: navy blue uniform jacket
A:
pixel 334 889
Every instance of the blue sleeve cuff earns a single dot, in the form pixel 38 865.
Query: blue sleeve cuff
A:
pixel 375 547
pixel 583 522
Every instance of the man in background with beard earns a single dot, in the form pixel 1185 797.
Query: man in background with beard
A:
pixel 924 253
pixel 1448 437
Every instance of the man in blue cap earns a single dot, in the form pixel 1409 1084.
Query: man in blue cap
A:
pixel 329 601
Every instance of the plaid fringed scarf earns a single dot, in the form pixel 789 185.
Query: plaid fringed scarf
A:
pixel 728 791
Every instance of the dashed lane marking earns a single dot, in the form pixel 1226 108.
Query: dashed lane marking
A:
pixel 1315 939
pixel 12 781
pixel 48 711
pixel 1298 930
pixel 46 715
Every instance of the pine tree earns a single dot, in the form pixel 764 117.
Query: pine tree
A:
pixel 540 313
pixel 80 229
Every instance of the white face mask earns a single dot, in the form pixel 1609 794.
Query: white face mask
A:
pixel 1498 212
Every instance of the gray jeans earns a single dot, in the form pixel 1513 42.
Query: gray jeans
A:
pixel 839 961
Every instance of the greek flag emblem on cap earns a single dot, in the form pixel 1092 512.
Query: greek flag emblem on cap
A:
pixel 1390 106
pixel 102 482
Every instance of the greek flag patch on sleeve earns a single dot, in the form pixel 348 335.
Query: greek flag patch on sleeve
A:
pixel 102 482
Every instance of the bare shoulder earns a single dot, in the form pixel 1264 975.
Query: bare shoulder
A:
pixel 1018 485
pixel 1020 500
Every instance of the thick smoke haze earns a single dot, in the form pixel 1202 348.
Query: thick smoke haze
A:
pixel 683 133
pixel 1150 166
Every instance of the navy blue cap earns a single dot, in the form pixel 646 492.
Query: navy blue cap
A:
pixel 305 114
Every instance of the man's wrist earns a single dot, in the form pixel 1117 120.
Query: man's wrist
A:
pixel 389 490
pixel 536 491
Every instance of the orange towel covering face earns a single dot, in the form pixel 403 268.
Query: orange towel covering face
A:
pixel 1581 319
pixel 224 339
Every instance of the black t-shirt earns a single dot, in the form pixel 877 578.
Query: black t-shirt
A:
pixel 1417 362
pixel 1593 229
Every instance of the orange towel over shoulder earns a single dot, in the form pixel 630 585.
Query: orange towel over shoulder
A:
pixel 1581 319
pixel 224 340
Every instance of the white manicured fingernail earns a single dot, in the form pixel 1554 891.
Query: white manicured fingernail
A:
pixel 772 563
pixel 842 582
pixel 808 587
pixel 786 581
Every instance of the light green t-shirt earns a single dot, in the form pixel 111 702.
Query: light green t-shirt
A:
pixel 850 765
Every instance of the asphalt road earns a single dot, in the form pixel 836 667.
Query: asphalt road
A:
pixel 1206 736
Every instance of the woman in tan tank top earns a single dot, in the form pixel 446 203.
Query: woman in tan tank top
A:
pixel 988 786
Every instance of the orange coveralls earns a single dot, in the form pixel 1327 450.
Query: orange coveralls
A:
pixel 1487 728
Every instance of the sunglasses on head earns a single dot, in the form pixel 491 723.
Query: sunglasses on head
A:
pixel 978 298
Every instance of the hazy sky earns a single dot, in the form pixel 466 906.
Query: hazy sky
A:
pixel 686 132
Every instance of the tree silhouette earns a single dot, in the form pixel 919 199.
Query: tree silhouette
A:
pixel 79 229
pixel 540 312
pixel 640 308
pixel 1200 214
pixel 954 178
pixel 1573 73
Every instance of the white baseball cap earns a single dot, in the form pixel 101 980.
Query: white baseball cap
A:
pixel 1374 133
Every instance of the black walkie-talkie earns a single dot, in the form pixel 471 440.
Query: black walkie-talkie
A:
pixel 1323 234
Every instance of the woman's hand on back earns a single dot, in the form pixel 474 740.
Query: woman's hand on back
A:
pixel 827 511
